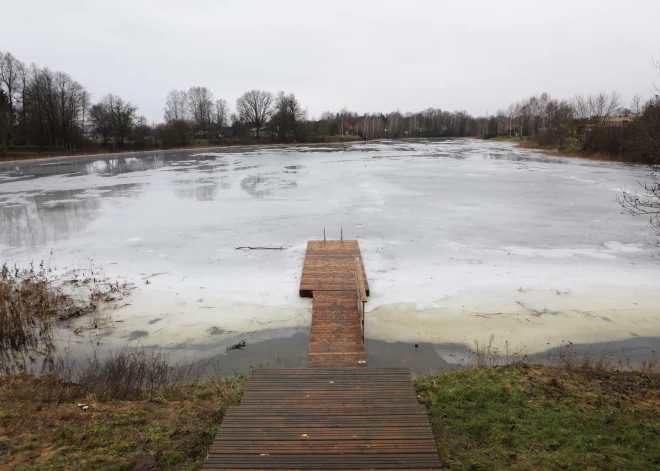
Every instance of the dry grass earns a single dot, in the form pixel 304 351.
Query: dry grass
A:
pixel 598 156
pixel 173 430
pixel 32 301
pixel 567 356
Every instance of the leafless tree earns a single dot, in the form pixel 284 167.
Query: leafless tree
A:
pixel 114 117
pixel 599 105
pixel 201 107
pixel 637 105
pixel 176 106
pixel 255 108
pixel 646 204
pixel 221 113
pixel 10 79
pixel 646 142
pixel 287 115
pixel 101 122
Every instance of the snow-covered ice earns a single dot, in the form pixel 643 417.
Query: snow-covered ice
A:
pixel 461 239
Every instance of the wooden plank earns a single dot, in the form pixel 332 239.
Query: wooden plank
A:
pixel 329 266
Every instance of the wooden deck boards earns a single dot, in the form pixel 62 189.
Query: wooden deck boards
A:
pixel 330 265
pixel 330 275
pixel 326 418
pixel 334 414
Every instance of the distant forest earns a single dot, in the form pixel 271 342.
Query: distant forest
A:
pixel 44 108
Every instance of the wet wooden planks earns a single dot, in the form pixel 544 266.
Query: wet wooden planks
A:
pixel 333 274
pixel 336 338
pixel 330 265
pixel 326 418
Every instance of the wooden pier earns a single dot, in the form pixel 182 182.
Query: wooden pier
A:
pixel 333 275
pixel 334 414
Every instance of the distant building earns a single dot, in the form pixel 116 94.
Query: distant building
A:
pixel 349 129
pixel 616 122
pixel 263 132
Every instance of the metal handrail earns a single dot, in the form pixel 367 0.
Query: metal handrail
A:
pixel 361 293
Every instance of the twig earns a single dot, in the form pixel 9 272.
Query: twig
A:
pixel 260 248
pixel 154 274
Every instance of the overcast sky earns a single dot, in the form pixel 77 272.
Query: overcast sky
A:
pixel 366 55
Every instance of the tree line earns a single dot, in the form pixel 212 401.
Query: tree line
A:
pixel 42 107
pixel 590 123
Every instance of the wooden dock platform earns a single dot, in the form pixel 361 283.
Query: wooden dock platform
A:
pixel 333 275
pixel 334 414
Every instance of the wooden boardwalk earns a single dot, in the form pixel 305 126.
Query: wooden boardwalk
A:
pixel 334 414
pixel 333 275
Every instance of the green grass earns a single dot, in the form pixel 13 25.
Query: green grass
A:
pixel 523 417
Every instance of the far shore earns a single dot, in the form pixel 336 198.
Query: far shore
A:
pixel 5 161
pixel 523 144
pixel 528 144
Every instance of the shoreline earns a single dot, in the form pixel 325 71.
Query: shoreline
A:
pixel 146 153
pixel 535 147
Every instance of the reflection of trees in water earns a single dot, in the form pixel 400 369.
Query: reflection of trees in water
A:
pixel 201 189
pixel 119 166
pixel 251 185
pixel 96 167
pixel 56 215
pixel 113 166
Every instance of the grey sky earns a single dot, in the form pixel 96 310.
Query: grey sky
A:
pixel 367 56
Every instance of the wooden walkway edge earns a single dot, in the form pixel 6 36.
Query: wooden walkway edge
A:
pixel 334 414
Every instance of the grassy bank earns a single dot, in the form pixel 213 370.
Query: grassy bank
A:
pixel 521 417
pixel 508 139
pixel 506 417
pixel 42 427
pixel 569 151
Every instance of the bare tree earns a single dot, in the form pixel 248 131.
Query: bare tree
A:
pixel 288 114
pixel 255 108
pixel 114 117
pixel 200 106
pixel 597 106
pixel 101 121
pixel 10 78
pixel 176 106
pixel 637 105
pixel 646 204
pixel 646 143
pixel 221 114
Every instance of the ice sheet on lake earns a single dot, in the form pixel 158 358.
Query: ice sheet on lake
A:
pixel 461 239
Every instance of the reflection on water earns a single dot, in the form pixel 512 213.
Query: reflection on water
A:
pixel 56 215
pixel 200 189
pixel 49 202
pixel 253 184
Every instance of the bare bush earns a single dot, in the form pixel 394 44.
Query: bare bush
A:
pixel 32 301
pixel 646 204
pixel 134 373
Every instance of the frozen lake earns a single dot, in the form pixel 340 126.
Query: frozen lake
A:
pixel 461 239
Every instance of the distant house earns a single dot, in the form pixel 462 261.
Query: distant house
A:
pixel 349 129
pixel 263 132
pixel 616 122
